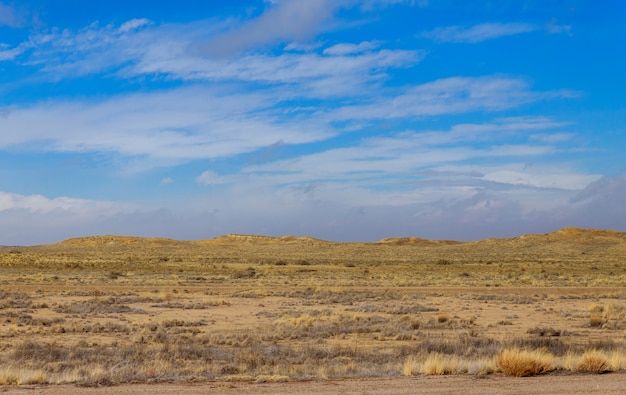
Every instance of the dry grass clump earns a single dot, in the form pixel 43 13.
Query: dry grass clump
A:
pixel 615 312
pixel 18 376
pixel 617 361
pixel 433 364
pixel 439 364
pixel 410 366
pixel 595 320
pixel 442 364
pixel 523 363
pixel 593 361
pixel 443 317
pixel 611 316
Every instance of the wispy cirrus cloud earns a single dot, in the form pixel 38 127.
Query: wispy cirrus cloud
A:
pixel 10 17
pixel 404 157
pixel 349 48
pixel 209 177
pixel 7 53
pixel 288 21
pixel 174 125
pixel 450 96
pixel 133 24
pixel 308 69
pixel 177 126
pixel 91 50
pixel 477 33
pixel 137 48
pixel 42 204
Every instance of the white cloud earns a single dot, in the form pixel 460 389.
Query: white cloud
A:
pixel 133 24
pixel 348 48
pixel 92 49
pixel 169 128
pixel 167 181
pixel 477 33
pixel 539 177
pixel 9 17
pixel 10 54
pixel 209 177
pixel 552 138
pixel 553 27
pixel 287 20
pixel 177 125
pixel 601 204
pixel 35 219
pixel 602 188
pixel 371 5
pixel 392 161
pixel 302 47
pixel 448 96
pixel 308 70
pixel 172 51
pixel 43 205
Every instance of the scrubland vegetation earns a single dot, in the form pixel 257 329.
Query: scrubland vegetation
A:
pixel 110 310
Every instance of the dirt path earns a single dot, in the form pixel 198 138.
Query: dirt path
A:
pixel 614 383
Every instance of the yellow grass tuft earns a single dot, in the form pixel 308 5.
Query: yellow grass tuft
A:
pixel 522 363
pixel 8 375
pixel 434 364
pixel 569 361
pixel 439 364
pixel 593 361
pixel 481 366
pixel 617 361
pixel 21 376
pixel 32 377
pixel 410 366
pixel 614 312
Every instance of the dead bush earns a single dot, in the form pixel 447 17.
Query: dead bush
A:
pixel 593 361
pixel 523 363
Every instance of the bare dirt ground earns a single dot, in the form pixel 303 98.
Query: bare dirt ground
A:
pixel 608 384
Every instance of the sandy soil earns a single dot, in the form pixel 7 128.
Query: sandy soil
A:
pixel 614 383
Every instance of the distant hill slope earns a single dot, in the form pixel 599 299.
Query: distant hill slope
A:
pixel 578 237
pixel 566 241
pixel 119 240
pixel 562 235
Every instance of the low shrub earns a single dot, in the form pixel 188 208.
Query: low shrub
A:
pixel 523 363
pixel 593 361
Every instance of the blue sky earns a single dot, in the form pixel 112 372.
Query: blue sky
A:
pixel 340 119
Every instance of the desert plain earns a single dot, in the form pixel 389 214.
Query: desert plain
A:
pixel 259 314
